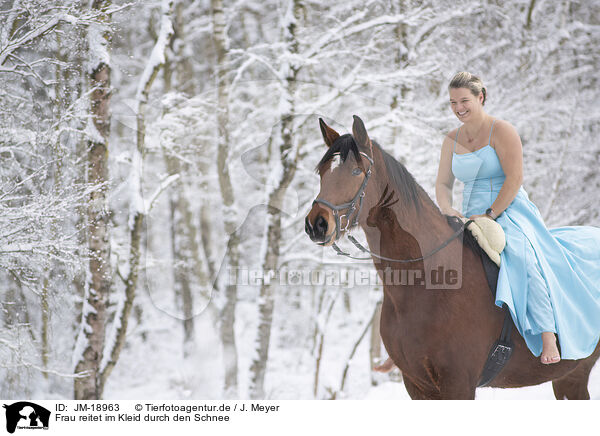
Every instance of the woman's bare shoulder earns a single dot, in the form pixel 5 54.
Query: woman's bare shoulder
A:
pixel 503 128
pixel 505 135
pixel 451 136
pixel 452 133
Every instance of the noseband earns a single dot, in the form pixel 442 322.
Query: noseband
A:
pixel 350 206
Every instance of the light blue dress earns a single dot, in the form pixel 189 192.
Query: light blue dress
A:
pixel 549 278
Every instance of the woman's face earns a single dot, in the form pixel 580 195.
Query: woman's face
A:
pixel 464 104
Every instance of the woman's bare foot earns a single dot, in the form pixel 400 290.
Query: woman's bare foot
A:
pixel 386 366
pixel 550 352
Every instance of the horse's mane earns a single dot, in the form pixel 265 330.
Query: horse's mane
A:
pixel 410 189
pixel 342 146
pixel 402 180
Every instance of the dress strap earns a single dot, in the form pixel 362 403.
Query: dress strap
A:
pixel 491 130
pixel 455 139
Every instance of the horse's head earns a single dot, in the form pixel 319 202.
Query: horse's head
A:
pixel 345 170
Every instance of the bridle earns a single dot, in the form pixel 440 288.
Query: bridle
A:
pixel 351 208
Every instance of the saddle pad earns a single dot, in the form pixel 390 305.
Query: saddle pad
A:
pixel 489 235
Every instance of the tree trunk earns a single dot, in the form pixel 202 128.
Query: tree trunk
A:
pixel 185 250
pixel 186 261
pixel 92 331
pixel 45 325
pixel 138 208
pixel 288 157
pixel 230 359
pixel 401 61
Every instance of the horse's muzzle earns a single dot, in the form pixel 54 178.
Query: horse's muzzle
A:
pixel 317 231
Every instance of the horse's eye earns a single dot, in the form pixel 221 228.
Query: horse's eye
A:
pixel 356 171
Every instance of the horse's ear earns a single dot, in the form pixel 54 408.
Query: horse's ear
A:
pixel 360 134
pixel 329 135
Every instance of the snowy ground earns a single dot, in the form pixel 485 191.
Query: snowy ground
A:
pixel 155 368
pixel 396 391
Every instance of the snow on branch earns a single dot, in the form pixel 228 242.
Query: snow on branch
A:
pixel 431 25
pixel 164 184
pixel 352 26
pixel 25 220
pixel 155 62
pixel 157 57
pixel 33 34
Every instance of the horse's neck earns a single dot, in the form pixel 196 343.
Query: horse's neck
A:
pixel 402 223
pixel 402 232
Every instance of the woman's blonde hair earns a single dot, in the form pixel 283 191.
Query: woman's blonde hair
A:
pixel 470 81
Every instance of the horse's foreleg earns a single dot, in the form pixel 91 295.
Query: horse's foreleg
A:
pixel 455 386
pixel 445 392
pixel 436 383
pixel 456 392
pixel 418 392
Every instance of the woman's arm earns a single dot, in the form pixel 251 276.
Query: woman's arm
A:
pixel 509 149
pixel 445 179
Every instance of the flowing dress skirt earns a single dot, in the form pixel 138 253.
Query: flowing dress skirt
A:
pixel 549 278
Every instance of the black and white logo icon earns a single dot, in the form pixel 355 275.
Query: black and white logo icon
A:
pixel 26 415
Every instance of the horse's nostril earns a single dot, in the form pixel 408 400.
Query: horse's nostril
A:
pixel 307 226
pixel 321 226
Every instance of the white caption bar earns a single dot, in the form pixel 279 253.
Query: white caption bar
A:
pixel 90 418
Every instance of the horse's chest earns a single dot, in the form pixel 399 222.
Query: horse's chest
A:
pixel 404 338
pixel 415 358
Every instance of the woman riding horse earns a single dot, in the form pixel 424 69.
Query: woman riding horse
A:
pixel 545 275
pixel 439 335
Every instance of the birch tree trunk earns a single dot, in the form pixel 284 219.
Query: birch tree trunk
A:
pixel 231 261
pixel 401 55
pixel 138 208
pixel 288 158
pixel 90 342
pixel 186 256
pixel 401 61
pixel 185 248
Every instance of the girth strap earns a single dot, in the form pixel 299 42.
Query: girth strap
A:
pixel 502 349
pixel 500 352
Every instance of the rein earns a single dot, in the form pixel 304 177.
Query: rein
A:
pixel 351 208
pixel 365 250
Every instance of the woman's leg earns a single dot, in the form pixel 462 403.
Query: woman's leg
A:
pixel 550 353
pixel 539 309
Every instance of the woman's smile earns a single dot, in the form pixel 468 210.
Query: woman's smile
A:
pixel 462 103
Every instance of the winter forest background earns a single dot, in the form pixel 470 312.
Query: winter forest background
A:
pixel 149 149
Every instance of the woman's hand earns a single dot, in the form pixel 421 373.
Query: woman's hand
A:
pixel 452 212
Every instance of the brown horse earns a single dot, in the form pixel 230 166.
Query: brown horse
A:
pixel 439 336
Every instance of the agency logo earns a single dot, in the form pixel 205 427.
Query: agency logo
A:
pixel 26 415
